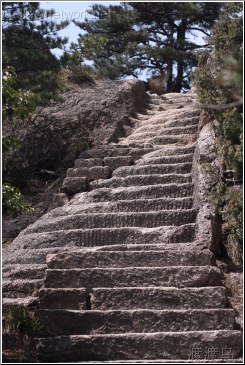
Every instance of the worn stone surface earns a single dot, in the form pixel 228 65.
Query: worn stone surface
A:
pixel 133 346
pixel 74 322
pixel 180 168
pixel 141 180
pixel 158 298
pixel 145 192
pixel 107 220
pixel 91 162
pixel 102 109
pixel 177 276
pixel 92 259
pixel 59 298
pixel 92 173
pixel 58 200
pixel 73 185
pixel 115 162
pixel 11 227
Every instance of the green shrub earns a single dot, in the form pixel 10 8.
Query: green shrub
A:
pixel 24 321
pixel 13 202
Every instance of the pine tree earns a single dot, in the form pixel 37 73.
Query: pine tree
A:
pixel 28 36
pixel 128 38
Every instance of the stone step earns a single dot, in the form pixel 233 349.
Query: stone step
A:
pixel 91 162
pixel 116 151
pixel 161 140
pixel 141 180
pixel 173 122
pixel 74 322
pixel 182 139
pixel 168 131
pixel 108 236
pixel 38 255
pixel 157 298
pixel 176 116
pixel 91 173
pixel 8 303
pixel 142 192
pixel 111 220
pixel 164 121
pixel 171 150
pixel 129 298
pixel 29 257
pixel 133 346
pixel 64 298
pixel 160 169
pixel 182 247
pixel 21 271
pixel 89 258
pixel 163 160
pixel 141 205
pixel 114 162
pixel 20 287
pixel 168 276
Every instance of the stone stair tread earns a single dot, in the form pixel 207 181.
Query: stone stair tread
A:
pixel 20 287
pixel 162 139
pixel 142 205
pixel 116 151
pixel 141 180
pixel 158 297
pixel 187 158
pixel 172 150
pixel 40 254
pixel 178 168
pixel 168 276
pixel 182 247
pixel 115 219
pixel 165 130
pixel 76 322
pixel 88 258
pixel 20 271
pixel 142 192
pixel 137 345
pixel 109 236
pixel 131 297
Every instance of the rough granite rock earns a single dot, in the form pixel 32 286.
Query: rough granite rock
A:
pixel 100 110
pixel 73 185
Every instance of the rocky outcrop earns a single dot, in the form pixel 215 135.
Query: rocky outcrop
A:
pixel 87 115
pixel 122 272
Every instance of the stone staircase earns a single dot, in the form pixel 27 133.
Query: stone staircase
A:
pixel 125 278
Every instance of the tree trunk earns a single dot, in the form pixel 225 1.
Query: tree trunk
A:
pixel 170 77
pixel 180 63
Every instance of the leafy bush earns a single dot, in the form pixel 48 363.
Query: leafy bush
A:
pixel 16 101
pixel 13 201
